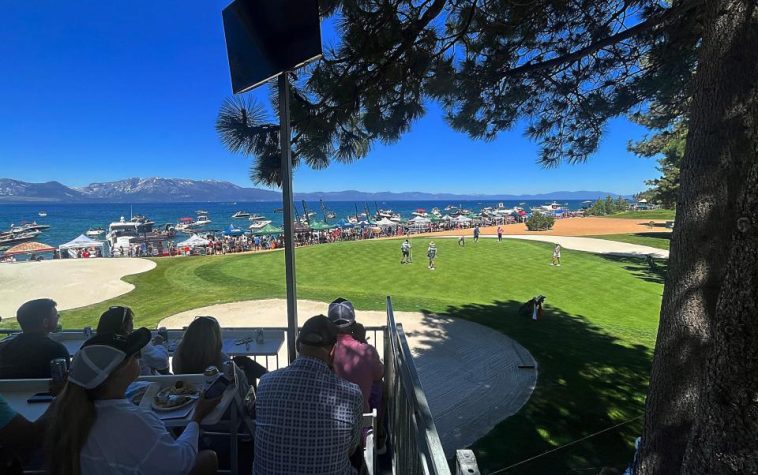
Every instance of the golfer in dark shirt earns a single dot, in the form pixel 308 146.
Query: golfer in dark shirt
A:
pixel 27 355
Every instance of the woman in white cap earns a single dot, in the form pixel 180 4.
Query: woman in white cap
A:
pixel 96 430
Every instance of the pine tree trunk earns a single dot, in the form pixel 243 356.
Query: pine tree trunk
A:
pixel 714 177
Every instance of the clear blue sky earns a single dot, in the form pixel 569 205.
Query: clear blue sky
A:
pixel 99 91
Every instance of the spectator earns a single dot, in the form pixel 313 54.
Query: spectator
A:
pixel 201 347
pixel 308 419
pixel 28 354
pixel 357 361
pixel 120 320
pixel 96 430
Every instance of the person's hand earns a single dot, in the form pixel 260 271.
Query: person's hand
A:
pixel 204 407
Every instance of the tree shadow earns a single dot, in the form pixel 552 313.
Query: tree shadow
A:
pixel 588 381
pixel 658 235
pixel 648 269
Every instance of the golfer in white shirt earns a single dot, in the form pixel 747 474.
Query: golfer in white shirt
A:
pixel 96 430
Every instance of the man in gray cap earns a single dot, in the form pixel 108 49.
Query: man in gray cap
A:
pixel 307 418
pixel 354 359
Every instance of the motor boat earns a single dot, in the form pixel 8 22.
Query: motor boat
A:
pixel 551 208
pixel 256 217
pixel 420 212
pixel 12 238
pixel 436 212
pixel 241 214
pixel 94 232
pixel 26 227
pixel 259 224
pixel 202 220
pixel 42 214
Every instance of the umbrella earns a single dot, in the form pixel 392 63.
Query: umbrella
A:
pixel 267 229
pixel 28 248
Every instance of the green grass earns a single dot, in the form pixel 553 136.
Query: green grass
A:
pixel 667 214
pixel 659 240
pixel 593 345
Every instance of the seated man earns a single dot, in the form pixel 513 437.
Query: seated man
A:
pixel 308 419
pixel 358 362
pixel 28 354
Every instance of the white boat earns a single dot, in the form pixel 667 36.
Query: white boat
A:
pixel 94 232
pixel 436 212
pixel 551 208
pixel 202 220
pixel 42 214
pixel 26 227
pixel 241 214
pixel 256 217
pixel 420 212
pixel 138 226
pixel 259 224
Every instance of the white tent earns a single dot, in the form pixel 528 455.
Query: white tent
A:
pixel 462 219
pixel 195 240
pixel 420 220
pixel 82 242
pixel 446 217
pixel 384 222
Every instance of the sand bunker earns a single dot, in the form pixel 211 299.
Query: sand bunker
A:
pixel 469 372
pixel 70 282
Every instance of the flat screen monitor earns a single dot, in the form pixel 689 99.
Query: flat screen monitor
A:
pixel 267 37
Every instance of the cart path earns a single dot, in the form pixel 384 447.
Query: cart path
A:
pixel 594 245
pixel 469 372
pixel 70 282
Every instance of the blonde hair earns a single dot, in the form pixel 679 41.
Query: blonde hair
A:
pixel 200 347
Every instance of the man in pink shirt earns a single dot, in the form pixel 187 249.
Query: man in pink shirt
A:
pixel 354 359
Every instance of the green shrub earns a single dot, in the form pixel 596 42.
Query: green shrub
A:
pixel 540 222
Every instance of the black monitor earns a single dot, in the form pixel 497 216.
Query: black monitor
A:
pixel 267 37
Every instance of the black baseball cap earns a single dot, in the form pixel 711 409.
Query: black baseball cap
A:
pixel 318 331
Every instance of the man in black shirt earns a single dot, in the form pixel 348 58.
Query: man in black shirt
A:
pixel 28 354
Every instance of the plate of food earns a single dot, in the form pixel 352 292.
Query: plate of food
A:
pixel 173 397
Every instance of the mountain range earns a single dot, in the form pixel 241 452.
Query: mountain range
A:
pixel 155 190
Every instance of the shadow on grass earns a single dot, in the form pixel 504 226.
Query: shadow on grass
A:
pixel 657 235
pixel 588 381
pixel 647 269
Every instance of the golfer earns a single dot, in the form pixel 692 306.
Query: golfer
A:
pixel 431 253
pixel 556 256
pixel 405 247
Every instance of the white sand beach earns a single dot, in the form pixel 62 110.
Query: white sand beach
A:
pixel 70 282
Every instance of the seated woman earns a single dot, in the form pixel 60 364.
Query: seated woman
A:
pixel 120 320
pixel 95 429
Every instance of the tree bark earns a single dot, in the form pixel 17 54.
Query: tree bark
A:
pixel 714 176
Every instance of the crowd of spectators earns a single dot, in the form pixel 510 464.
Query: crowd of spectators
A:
pixel 308 415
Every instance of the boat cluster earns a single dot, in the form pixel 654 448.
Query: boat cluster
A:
pixel 21 233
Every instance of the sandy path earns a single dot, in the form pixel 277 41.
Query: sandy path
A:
pixel 70 282
pixel 591 226
pixel 469 372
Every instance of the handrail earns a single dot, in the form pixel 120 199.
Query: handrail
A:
pixel 417 446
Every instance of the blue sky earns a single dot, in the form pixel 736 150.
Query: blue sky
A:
pixel 99 91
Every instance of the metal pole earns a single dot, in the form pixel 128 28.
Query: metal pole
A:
pixel 287 205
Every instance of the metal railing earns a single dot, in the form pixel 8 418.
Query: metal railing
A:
pixel 416 445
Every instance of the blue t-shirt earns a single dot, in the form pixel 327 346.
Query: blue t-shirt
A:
pixel 6 413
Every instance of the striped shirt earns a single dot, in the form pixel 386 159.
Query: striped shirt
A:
pixel 308 420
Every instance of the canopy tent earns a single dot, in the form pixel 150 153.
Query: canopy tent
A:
pixel 342 223
pixel 193 241
pixel 446 217
pixel 267 230
pixel 462 219
pixel 434 219
pixel 384 222
pixel 319 226
pixel 419 220
pixel 231 230
pixel 28 248
pixel 82 242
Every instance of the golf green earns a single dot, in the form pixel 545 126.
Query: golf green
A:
pixel 593 345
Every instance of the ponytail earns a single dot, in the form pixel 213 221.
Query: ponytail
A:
pixel 69 428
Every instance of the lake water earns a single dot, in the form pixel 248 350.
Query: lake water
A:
pixel 68 221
